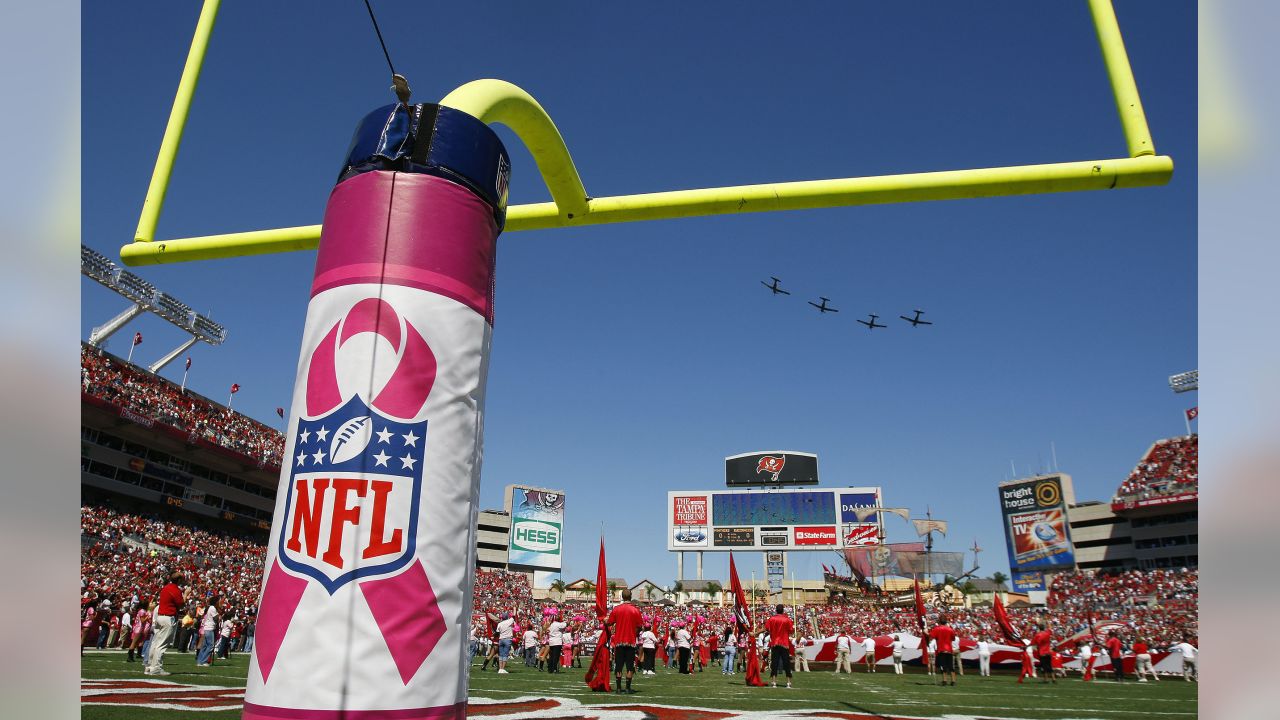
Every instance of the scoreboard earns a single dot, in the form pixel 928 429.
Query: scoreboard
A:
pixel 778 519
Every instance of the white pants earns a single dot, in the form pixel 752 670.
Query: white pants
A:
pixel 842 661
pixel 897 663
pixel 802 662
pixel 984 664
pixel 1142 666
pixel 1191 668
pixel 161 639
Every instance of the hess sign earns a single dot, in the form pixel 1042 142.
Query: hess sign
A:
pixel 770 468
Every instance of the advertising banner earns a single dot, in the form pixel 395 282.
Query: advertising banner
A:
pixel 1035 524
pixel 537 528
pixel 850 502
pixel 1131 503
pixel 690 536
pixel 860 534
pixel 689 510
pixel 1029 581
pixel 824 535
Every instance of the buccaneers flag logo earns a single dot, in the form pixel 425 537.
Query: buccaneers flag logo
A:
pixel 771 464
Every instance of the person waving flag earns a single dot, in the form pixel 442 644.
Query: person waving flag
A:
pixel 744 626
pixel 598 672
pixel 924 639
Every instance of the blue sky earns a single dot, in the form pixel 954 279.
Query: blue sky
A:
pixel 629 360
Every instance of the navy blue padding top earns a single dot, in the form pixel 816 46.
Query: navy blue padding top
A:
pixel 432 140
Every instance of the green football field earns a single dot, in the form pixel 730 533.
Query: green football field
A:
pixel 881 694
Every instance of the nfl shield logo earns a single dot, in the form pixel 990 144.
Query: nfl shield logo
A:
pixel 351 511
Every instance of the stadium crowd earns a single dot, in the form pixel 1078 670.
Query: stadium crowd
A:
pixel 1084 590
pixel 124 561
pixel 1082 598
pixel 126 556
pixel 119 383
pixel 1170 467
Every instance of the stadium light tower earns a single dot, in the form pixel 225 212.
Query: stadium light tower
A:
pixel 1185 382
pixel 145 297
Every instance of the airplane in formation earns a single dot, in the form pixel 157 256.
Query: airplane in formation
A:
pixel 916 320
pixel 872 324
pixel 823 307
pixel 774 287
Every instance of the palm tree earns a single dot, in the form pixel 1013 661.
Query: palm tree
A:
pixel 557 586
pixel 613 587
pixel 588 588
pixel 677 586
pixel 999 579
pixel 713 588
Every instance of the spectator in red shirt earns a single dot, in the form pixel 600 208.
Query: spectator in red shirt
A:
pixel 1116 651
pixel 779 628
pixel 623 621
pixel 1043 640
pixel 945 636
pixel 1142 661
pixel 165 622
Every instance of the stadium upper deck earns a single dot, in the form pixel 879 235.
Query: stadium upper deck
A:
pixel 146 439
pixel 1168 473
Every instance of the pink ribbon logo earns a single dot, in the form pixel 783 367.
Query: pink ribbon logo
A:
pixel 405 393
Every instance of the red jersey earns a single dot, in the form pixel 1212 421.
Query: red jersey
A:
pixel 1139 648
pixel 1113 648
pixel 626 620
pixel 170 600
pixel 1043 641
pixel 945 637
pixel 779 629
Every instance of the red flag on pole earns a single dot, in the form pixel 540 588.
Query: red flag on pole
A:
pixel 598 673
pixel 188 362
pixel 1002 620
pixel 137 338
pixel 743 621
pixel 280 412
pixel 235 388
pixel 924 640
pixel 1193 413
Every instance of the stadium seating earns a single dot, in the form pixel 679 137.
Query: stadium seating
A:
pixel 124 559
pixel 1109 591
pixel 108 378
pixel 1170 467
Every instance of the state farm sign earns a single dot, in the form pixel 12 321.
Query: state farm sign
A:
pixel 824 535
